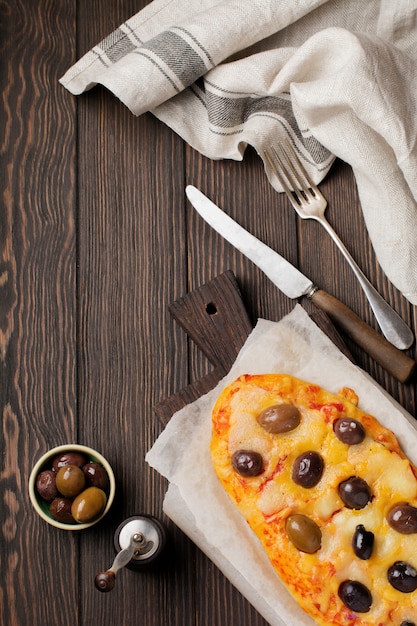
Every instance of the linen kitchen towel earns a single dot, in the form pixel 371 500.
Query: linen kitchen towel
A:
pixel 339 77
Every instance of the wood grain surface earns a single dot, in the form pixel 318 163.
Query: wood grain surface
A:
pixel 96 241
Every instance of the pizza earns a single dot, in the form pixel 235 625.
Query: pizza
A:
pixel 329 494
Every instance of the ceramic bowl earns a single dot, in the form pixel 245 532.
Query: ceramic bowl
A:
pixel 45 463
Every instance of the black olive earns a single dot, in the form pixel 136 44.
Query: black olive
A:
pixel 355 492
pixel 349 431
pixel 96 475
pixel 307 469
pixel 407 623
pixel 355 596
pixel 363 542
pixel 69 458
pixel 247 462
pixel 60 510
pixel 402 576
pixel 403 518
pixel 46 485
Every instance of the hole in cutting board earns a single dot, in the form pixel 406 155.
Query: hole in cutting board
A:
pixel 211 308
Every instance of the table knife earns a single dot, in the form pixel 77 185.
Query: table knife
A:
pixel 295 285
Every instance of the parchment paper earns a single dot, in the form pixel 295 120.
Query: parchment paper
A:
pixel 195 500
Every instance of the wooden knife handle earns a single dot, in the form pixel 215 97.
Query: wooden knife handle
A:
pixel 388 356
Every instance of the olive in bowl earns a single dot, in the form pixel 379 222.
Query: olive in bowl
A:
pixel 72 487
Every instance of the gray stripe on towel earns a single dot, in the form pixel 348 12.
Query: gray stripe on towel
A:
pixel 116 45
pixel 178 55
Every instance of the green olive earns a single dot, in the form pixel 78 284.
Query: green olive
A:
pixel 279 418
pixel 88 505
pixel 70 480
pixel 304 533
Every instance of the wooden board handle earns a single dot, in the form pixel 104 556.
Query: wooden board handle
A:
pixel 215 318
pixel 388 356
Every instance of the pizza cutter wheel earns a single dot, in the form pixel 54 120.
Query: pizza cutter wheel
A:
pixel 139 540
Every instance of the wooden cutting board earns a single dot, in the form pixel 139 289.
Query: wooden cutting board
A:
pixel 215 318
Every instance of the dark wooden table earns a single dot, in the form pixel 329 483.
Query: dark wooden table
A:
pixel 96 240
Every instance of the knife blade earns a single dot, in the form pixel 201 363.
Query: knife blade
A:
pixel 295 284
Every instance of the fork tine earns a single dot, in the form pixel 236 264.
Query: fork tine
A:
pixel 303 188
pixel 297 180
pixel 284 175
pixel 276 171
pixel 295 158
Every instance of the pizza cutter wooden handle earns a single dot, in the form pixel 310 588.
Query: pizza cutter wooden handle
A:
pixel 388 356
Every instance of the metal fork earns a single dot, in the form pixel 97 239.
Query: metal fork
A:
pixel 309 203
